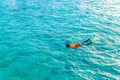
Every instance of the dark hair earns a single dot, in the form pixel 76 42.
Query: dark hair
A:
pixel 67 45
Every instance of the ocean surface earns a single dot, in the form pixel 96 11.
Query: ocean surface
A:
pixel 33 35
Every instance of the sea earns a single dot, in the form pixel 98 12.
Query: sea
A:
pixel 33 34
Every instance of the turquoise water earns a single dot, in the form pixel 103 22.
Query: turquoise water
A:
pixel 33 35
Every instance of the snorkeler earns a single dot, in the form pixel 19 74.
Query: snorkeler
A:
pixel 73 45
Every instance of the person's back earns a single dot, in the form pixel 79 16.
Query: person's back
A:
pixel 72 45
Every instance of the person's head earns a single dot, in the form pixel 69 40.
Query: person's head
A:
pixel 67 45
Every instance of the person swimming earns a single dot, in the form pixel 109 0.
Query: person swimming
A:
pixel 76 45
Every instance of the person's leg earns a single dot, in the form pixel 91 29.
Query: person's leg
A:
pixel 87 42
